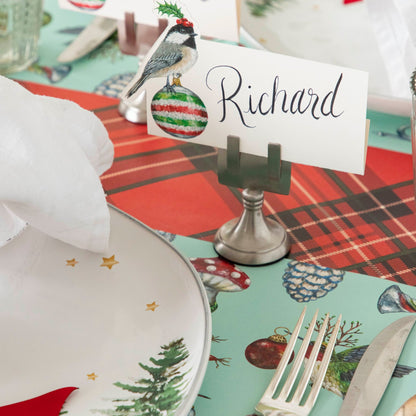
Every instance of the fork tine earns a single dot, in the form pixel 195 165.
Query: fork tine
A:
pixel 268 405
pixel 311 361
pixel 291 378
pixel 285 358
pixel 324 366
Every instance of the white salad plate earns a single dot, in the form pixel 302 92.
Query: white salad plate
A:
pixel 327 31
pixel 120 326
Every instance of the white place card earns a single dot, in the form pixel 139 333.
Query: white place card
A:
pixel 316 111
pixel 216 18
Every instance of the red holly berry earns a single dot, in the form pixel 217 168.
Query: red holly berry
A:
pixel 267 352
pixel 184 22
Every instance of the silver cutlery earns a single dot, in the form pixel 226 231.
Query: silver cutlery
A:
pixel 296 406
pixel 375 369
pixel 100 29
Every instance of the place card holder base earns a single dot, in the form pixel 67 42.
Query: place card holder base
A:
pixel 253 239
pixel 136 39
pixel 135 111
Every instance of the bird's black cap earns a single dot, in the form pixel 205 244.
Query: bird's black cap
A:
pixel 186 30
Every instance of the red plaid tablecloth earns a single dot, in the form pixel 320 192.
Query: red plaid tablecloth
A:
pixel 364 224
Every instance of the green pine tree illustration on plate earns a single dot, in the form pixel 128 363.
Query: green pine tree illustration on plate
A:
pixel 161 393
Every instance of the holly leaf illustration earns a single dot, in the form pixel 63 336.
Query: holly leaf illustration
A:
pixel 170 9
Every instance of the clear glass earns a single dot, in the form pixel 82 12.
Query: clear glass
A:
pixel 20 23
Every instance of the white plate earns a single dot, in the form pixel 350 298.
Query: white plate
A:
pixel 90 325
pixel 325 31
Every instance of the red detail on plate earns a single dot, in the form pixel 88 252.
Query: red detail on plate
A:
pixel 350 1
pixel 87 5
pixel 49 404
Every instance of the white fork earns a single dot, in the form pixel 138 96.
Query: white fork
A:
pixel 269 406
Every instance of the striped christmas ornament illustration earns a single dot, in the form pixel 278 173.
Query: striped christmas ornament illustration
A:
pixel 88 4
pixel 179 112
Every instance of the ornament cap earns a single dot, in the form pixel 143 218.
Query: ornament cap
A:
pixel 279 338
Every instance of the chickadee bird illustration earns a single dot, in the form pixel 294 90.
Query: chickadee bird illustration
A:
pixel 175 55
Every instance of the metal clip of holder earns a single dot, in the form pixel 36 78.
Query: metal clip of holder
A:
pixel 137 39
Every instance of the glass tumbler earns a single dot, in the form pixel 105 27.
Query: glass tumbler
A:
pixel 20 23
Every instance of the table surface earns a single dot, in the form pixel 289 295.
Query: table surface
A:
pixel 362 225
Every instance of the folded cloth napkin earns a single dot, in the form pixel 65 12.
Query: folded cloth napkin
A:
pixel 394 25
pixel 51 155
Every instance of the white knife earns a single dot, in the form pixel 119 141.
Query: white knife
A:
pixel 375 369
pixel 100 29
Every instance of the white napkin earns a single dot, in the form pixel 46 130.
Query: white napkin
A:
pixel 394 24
pixel 51 155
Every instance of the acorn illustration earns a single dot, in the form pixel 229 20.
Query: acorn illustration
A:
pixel 267 352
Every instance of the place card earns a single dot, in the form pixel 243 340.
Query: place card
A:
pixel 217 18
pixel 316 111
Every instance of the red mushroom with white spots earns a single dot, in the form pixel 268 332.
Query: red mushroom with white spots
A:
pixel 219 275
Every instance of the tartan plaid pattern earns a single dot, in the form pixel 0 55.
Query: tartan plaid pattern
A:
pixel 364 224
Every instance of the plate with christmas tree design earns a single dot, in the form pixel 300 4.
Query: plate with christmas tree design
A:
pixel 319 31
pixel 130 328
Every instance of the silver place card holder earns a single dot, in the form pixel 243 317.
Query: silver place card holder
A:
pixel 136 39
pixel 135 111
pixel 253 239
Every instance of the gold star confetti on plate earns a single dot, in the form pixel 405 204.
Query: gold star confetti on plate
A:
pixel 109 262
pixel 72 262
pixel 152 306
pixel 92 376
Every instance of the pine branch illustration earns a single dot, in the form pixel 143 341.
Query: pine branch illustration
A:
pixel 170 9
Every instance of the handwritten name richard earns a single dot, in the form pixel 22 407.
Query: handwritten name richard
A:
pixel 235 95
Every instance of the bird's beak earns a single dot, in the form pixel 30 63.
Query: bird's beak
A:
pixel 194 34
